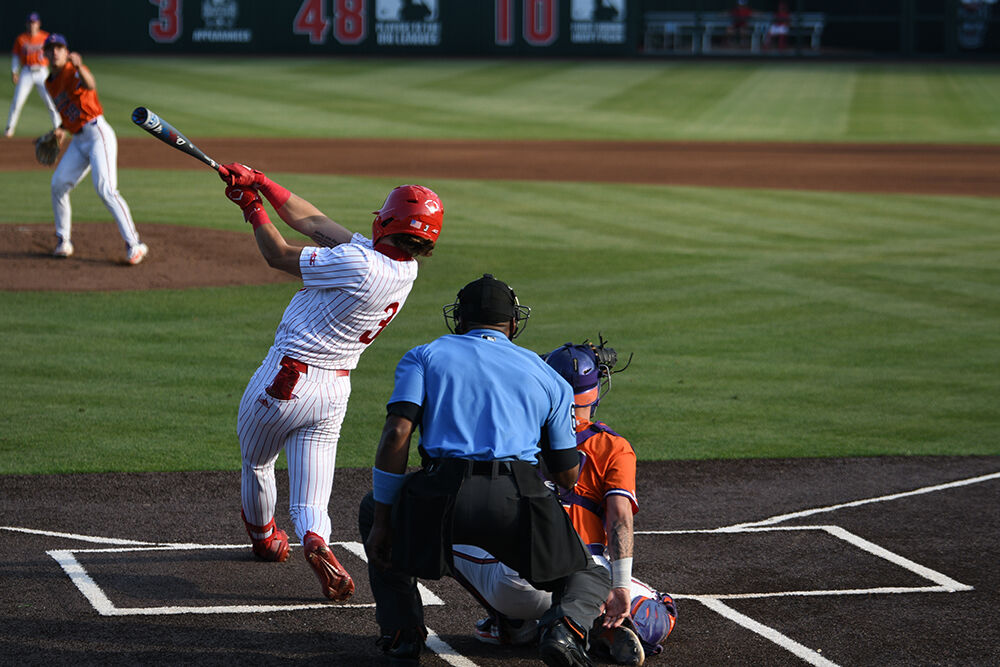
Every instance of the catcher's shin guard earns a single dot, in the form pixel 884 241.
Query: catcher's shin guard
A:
pixel 274 547
pixel 336 583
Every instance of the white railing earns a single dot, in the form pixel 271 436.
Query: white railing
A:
pixel 698 32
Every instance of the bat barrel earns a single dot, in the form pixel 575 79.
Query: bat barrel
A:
pixel 145 118
pixel 169 135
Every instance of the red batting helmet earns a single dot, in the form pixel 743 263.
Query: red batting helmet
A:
pixel 409 209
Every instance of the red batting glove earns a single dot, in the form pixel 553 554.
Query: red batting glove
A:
pixel 249 202
pixel 241 175
pixel 244 176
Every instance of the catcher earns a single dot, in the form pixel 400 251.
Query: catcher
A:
pixel 636 619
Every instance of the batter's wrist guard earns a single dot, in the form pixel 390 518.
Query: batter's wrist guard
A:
pixel 256 216
pixel 249 202
pixel 275 194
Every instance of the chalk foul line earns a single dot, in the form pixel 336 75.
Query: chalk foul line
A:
pixel 104 606
pixel 944 584
pixel 879 499
pixel 769 633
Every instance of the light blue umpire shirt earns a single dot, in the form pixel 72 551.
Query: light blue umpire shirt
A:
pixel 485 398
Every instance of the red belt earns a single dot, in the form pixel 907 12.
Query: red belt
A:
pixel 300 367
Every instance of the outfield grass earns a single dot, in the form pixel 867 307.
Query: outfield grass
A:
pixel 348 97
pixel 764 323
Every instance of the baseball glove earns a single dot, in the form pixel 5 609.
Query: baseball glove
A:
pixel 47 149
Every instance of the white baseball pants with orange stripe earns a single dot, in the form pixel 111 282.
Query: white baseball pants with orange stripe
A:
pixel 31 76
pixel 505 591
pixel 93 149
pixel 306 425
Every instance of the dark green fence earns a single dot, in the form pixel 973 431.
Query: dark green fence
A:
pixel 533 28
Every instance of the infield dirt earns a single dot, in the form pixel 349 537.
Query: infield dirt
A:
pixel 86 583
pixel 855 605
pixel 177 260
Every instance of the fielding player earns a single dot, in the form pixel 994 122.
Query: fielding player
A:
pixel 28 68
pixel 352 289
pixel 93 147
pixel 636 619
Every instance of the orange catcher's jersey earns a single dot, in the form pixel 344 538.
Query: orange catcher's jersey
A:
pixel 77 105
pixel 607 467
pixel 28 48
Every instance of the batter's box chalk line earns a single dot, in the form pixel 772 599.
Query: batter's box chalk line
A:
pixel 941 583
pixel 67 559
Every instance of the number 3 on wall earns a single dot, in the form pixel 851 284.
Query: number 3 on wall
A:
pixel 368 337
pixel 166 27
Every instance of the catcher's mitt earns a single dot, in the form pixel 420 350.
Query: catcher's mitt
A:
pixel 47 149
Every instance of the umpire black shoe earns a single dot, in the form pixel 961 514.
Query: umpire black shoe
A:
pixel 563 645
pixel 403 647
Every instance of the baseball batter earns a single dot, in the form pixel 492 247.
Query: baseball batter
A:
pixel 353 287
pixel 93 147
pixel 29 67
pixel 637 619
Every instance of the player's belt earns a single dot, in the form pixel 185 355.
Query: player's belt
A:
pixel 301 367
pixel 490 468
pixel 93 121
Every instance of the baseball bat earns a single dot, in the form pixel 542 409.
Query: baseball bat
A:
pixel 169 135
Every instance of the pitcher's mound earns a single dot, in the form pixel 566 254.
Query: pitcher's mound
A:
pixel 179 257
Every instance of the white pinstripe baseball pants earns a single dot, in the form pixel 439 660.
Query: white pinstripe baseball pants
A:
pixel 307 427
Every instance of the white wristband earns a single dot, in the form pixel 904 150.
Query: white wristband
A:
pixel 621 573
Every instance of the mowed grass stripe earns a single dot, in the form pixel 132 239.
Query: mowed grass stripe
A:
pixel 901 102
pixel 764 323
pixel 855 331
pixel 642 100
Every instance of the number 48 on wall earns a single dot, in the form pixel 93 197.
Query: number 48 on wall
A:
pixel 539 21
pixel 349 21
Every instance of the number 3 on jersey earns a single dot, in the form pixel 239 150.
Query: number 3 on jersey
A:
pixel 368 337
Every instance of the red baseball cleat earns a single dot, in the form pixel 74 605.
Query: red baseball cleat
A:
pixel 337 584
pixel 274 547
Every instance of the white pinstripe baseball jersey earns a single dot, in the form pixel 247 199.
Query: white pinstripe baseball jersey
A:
pixel 351 292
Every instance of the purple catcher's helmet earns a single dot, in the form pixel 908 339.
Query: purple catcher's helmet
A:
pixel 587 368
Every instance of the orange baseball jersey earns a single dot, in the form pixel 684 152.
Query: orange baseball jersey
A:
pixel 607 467
pixel 28 48
pixel 77 105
